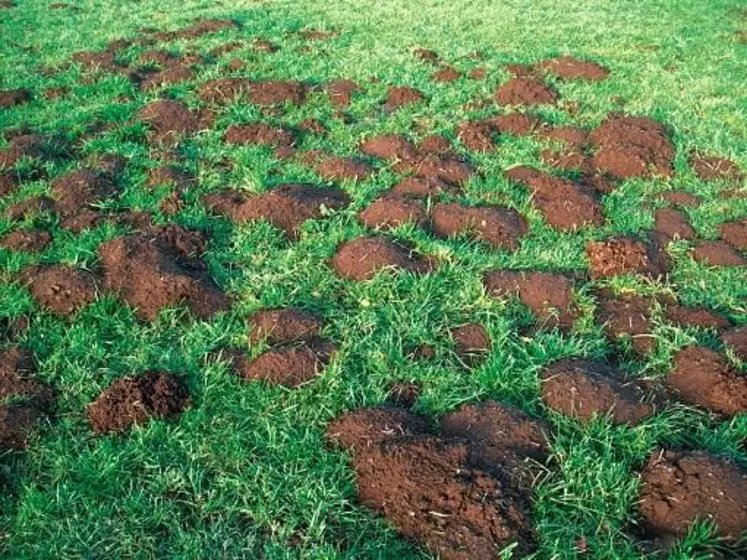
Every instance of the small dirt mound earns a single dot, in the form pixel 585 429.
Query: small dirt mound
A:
pixel 673 223
pixel 8 182
pixel 717 253
pixel 29 208
pixel 339 169
pixel 517 124
pixel 471 343
pixel 477 136
pixel 393 211
pixel 278 326
pixel 277 92
pixel 700 317
pixel 340 92
pixel 525 91
pixel 26 240
pixel 625 255
pixel 713 168
pixel 446 75
pixel 399 96
pixel 435 145
pixel 17 421
pixel 289 366
pixel 169 175
pixel 223 90
pixel 31 146
pixel 632 147
pixel 678 488
pixel 681 198
pixel 570 68
pixel 499 227
pixel 389 146
pixel 626 315
pixel 447 167
pixel 18 380
pixel 422 187
pixel 360 259
pixel 583 389
pixel 160 267
pixel 60 289
pixel 703 378
pixel 736 339
pixel 549 296
pixel 573 137
pixel 404 394
pixel 76 195
pixel 169 119
pixel 133 401
pixel 13 97
pixel 286 206
pixel 258 133
pixel 427 55
pixel 735 233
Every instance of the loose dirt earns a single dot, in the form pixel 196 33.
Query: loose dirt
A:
pixel 628 316
pixel 278 326
pixel 471 343
pixel 625 255
pixel 735 233
pixel 26 240
pixel 288 365
pixel 674 224
pixel 713 168
pixel 525 91
pixel 60 289
pixel 717 253
pixel 499 227
pixel 570 68
pixel 258 133
pixel 360 259
pixel 392 211
pixel 400 96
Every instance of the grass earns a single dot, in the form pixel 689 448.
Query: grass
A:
pixel 245 471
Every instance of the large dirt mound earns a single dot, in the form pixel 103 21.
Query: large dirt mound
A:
pixel 360 259
pixel 628 316
pixel 625 255
pixel 717 253
pixel 289 365
pixel 392 211
pixel 499 227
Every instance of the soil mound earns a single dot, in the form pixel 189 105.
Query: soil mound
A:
pixel 289 366
pixel 712 168
pixel 389 146
pixel 340 92
pixel 422 188
pixel 735 233
pixel 31 146
pixel 679 487
pixel 169 175
pixel 632 147
pixel 160 267
pixel 681 198
pixel 477 136
pixel 258 133
pixel 16 424
pixel 517 124
pixel 286 206
pixel 717 253
pixel 471 343
pixel 703 378
pixel 8 182
pixel 29 208
pixel 525 91
pixel 583 388
pixel 701 317
pixel 570 68
pixel 223 90
pixel 360 259
pixel 27 241
pixel 427 55
pixel 447 167
pixel 60 289
pixel 12 97
pixel 446 75
pixel 278 326
pixel 275 92
pixel 499 227
pixel 132 401
pixel 625 255
pixel 549 296
pixel 626 315
pixel 736 338
pixel 339 169
pixel 674 224
pixel 393 211
pixel 399 96
pixel 76 194
pixel 404 394
pixel 18 380
pixel 169 119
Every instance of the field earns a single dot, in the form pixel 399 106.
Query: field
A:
pixel 387 280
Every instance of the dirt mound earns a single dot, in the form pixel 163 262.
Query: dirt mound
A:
pixel 24 146
pixel 713 168
pixel 703 378
pixel 499 227
pixel 404 394
pixel 360 259
pixel 673 223
pixel 160 267
pixel 8 182
pixel 549 296
pixel 16 424
pixel 392 211
pixel 399 96
pixel 737 339
pixel 132 401
pixel 389 146
pixel 681 198
pixel 446 75
pixel 427 55
pixel 735 233
pixel 278 326
pixel 564 204
pixel 29 208
pixel 583 388
pixel 275 92
pixel 678 488
pixel 565 160
pixel 60 289
pixel 717 253
pixel 471 343
pixel 573 137
pixel 570 68
pixel 427 486
pixel 625 255
pixel 701 317
pixel 477 136
pixel 76 194
pixel 340 92
pixel 18 380
pixel 169 119
pixel 435 145
pixel 12 97
pixel 525 91
pixel 26 240
pixel 632 147
pixel 626 315
pixel 289 366
pixel 175 73
pixel 517 124
pixel 422 187
pixel 338 169
pixel 258 133
pixel 169 175
pixel 447 167
pixel 223 90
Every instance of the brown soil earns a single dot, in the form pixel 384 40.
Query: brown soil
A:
pixel 133 401
pixel 341 92
pixel 446 167
pixel 160 267
pixel 565 160
pixel 286 206
pixel 312 126
pixel 8 182
pixel 525 91
pixel 223 90
pixel 27 241
pixel 360 259
pixel 626 315
pixel 471 343
pixel 393 211
pixel 681 198
pixel 258 133
pixel 169 175
pixel 13 97
pixel 478 74
pixel 29 208
pixel 427 55
pixel 549 296
pixel 389 146
pixel 337 169
pixel 570 68
pixel 422 187
pixel 735 233
pixel 678 488
pixel 736 338
pixel 404 394
pixel 632 147
pixel 496 226
pixel 428 486
pixel 16 424
pixel 399 96
pixel 277 93
pixel 435 145
pixel 717 253
pixel 18 380
pixel 24 146
pixel 517 124
pixel 713 168
pixel 477 136
pixel 60 289
pixel 289 366
pixel 625 255
pixel 703 378
pixel 573 137
pixel 582 389
pixel 674 224
pixel 169 119
pixel 700 317
pixel 76 194
pixel 522 70
pixel 446 75
pixel 278 326
pixel 174 74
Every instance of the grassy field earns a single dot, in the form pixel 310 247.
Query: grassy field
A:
pixel 245 471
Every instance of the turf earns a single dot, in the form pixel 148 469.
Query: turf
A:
pixel 245 472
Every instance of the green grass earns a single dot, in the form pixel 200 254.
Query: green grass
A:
pixel 245 471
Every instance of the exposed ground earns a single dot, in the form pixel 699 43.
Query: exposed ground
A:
pixel 373 280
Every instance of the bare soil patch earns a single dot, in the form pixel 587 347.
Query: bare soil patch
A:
pixel 360 259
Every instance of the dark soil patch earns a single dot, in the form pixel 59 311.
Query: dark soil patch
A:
pixel 133 401
pixel 549 296
pixel 681 198
pixel 737 339
pixel 160 267
pixel 517 124
pixel 24 146
pixel 360 259
pixel 27 241
pixel 572 137
pixel 276 92
pixel 674 224
pixel 477 136
pixel 422 187
pixel 583 388
pixel 570 68
pixel 17 421
pixel 499 227
pixel 625 255
pixel 29 208
pixel 60 289
pixel 278 326
pixel 446 75
pixel 169 119
pixel 8 182
pixel 289 366
pixel 341 92
pixel 169 76
pixel 471 343
pixel 525 91
pixel 338 169
pixel 632 147
pixel 312 126
pixel 703 378
pixel 713 168
pixel 76 195
pixel 427 55
pixel 678 488
pixel 735 233
pixel 404 394
pixel 172 204
pixel 389 146
pixel 717 253
pixel 13 97
pixel 18 380
pixel 286 206
pixel 399 96
pixel 626 315
pixel 447 167
pixel 522 70
pixel 223 90
pixel 393 211
pixel 700 317
pixel 435 145
pixel 258 133
pixel 169 175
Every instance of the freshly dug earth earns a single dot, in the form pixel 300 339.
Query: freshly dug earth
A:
pixel 570 68
pixel 717 253
pixel 27 240
pixel 76 195
pixel 287 365
pixel 700 317
pixel 471 343
pixel 625 255
pixel 626 315
pixel 131 401
pixel 737 339
pixel 360 259
pixel 714 168
pixel 674 224
pixel 735 233
pixel 169 119
pixel 392 211
pixel 499 227
pixel 338 169
pixel 583 389
pixel 525 91
pixel 60 289
pixel 400 96
pixel 277 326
pixel 678 488
pixel 704 378
pixel 258 133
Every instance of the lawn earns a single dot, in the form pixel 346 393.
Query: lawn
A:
pixel 248 468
